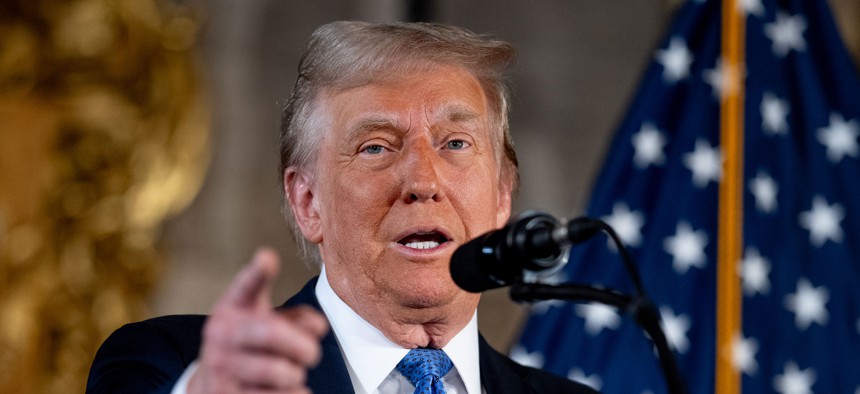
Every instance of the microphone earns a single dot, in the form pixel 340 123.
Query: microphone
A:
pixel 532 245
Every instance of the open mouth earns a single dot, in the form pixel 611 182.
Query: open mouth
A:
pixel 423 240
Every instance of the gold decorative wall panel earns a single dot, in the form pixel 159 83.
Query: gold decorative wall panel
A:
pixel 103 134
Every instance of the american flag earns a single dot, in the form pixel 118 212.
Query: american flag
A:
pixel 800 267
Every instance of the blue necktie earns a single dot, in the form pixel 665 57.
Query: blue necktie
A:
pixel 425 368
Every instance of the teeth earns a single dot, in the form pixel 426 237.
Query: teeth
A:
pixel 422 245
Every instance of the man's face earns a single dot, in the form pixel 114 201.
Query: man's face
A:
pixel 405 174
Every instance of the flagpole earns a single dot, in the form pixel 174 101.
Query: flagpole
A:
pixel 730 227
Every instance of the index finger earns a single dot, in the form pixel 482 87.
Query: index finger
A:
pixel 251 286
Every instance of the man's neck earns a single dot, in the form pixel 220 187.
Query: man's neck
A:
pixel 408 326
pixel 370 356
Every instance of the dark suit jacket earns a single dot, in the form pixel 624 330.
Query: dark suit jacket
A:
pixel 149 357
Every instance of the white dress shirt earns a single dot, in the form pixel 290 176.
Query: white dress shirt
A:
pixel 371 358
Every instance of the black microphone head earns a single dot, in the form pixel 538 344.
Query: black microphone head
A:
pixel 527 248
pixel 466 266
pixel 500 257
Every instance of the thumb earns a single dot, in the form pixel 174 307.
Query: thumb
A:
pixel 251 287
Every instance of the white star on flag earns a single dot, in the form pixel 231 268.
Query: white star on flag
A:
pixel 743 355
pixel 557 278
pixel 706 163
pixel 822 221
pixel 542 307
pixel 751 7
pixel 523 357
pixel 687 248
pixel 676 328
pixel 721 78
pixel 773 114
pixel 676 60
pixel 764 189
pixel 840 138
pixel 754 272
pixel 626 223
pixel 793 380
pixel 598 316
pixel 579 375
pixel 786 33
pixel 648 144
pixel 808 304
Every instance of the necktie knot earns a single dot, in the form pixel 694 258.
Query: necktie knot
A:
pixel 424 368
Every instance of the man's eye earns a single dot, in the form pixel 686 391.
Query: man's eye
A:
pixel 456 144
pixel 374 149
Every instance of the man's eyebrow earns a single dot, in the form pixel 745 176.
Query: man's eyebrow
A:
pixel 453 113
pixel 369 124
pixel 459 113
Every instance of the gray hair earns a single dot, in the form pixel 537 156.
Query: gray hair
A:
pixel 343 55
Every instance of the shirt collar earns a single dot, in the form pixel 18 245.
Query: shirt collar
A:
pixel 370 356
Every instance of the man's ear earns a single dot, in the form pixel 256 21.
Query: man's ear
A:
pixel 298 187
pixel 503 210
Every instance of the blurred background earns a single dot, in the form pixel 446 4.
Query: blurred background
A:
pixel 138 148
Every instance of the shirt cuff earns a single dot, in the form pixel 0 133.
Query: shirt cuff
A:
pixel 181 386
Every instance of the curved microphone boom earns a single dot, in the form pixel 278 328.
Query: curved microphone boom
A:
pixel 532 244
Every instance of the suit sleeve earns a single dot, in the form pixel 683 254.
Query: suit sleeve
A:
pixel 146 357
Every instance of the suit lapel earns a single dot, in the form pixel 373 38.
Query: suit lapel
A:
pixel 330 376
pixel 496 375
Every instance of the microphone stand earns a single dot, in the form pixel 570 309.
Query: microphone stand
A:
pixel 644 311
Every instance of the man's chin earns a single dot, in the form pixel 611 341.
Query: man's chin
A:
pixel 422 296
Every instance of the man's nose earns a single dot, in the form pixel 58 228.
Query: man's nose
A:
pixel 421 176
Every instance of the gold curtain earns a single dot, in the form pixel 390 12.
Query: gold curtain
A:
pixel 103 134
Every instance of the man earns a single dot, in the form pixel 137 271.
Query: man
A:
pixel 394 151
